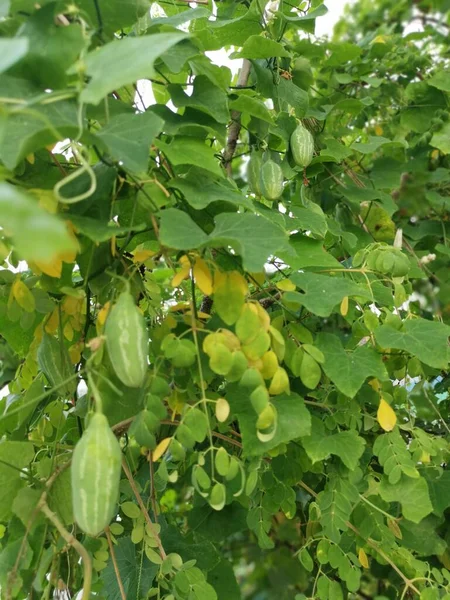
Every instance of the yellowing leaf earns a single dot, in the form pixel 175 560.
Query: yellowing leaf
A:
pixel 394 527
pixel 230 289
pixel 286 285
pixel 344 306
pixel 435 154
pixel 161 448
pixel 203 277
pixel 30 158
pixel 24 297
pixel 380 39
pixel 378 130
pixel 386 416
pixel 362 556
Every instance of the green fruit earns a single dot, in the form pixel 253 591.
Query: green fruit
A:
pixel 271 180
pixel 96 465
pixel 254 173
pixel 302 146
pixel 127 341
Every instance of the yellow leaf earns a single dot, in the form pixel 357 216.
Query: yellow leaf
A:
pixel 68 331
pixel 103 313
pixel 51 324
pixel 113 246
pixel 286 285
pixel 344 306
pixel 378 130
pixel 362 556
pixel 203 315
pixel 435 154
pixel 24 297
pixel 180 306
pixel 203 277
pixel 181 275
pixel 72 305
pixel 259 278
pixel 161 448
pixel 380 39
pixel 386 416
pixel 52 269
pixel 142 255
pixel 75 352
pixel 375 385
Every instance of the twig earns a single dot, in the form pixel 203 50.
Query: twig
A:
pixel 371 543
pixel 235 127
pixel 50 481
pixel 70 539
pixel 120 428
pixel 149 522
pixel 115 565
pixel 152 488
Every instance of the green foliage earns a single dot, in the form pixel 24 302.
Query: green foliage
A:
pixel 224 305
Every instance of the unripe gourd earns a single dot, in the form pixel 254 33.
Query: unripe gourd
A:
pixel 96 465
pixel 254 173
pixel 302 146
pixel 271 181
pixel 127 341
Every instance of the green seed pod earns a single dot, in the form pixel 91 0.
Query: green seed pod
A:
pixel 127 341
pixel 401 265
pixel 302 146
pixel 271 180
pixel 96 465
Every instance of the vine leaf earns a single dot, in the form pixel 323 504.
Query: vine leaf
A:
pixel 347 445
pixel 349 369
pixel 412 494
pixel 122 62
pixel 428 340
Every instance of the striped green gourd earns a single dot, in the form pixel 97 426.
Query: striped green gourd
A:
pixel 54 361
pixel 127 341
pixel 302 146
pixel 254 173
pixel 271 180
pixel 96 465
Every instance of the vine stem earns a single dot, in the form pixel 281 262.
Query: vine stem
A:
pixel 50 481
pixel 72 541
pixel 199 364
pixel 115 565
pixel 235 127
pixel 143 508
pixel 408 583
